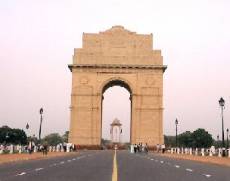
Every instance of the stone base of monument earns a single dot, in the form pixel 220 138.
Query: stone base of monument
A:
pixel 88 147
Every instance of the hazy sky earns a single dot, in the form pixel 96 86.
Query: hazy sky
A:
pixel 37 39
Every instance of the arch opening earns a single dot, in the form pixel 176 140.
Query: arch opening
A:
pixel 116 104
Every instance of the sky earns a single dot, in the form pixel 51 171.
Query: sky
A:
pixel 37 41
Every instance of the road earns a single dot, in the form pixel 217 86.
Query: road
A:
pixel 105 166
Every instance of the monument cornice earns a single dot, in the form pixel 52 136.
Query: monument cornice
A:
pixel 116 66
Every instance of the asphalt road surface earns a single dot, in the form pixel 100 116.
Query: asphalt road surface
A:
pixel 107 166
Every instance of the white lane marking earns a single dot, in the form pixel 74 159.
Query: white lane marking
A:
pixel 162 161
pixel 152 159
pixel 207 175
pixel 188 169
pixel 69 160
pixel 37 169
pixel 73 159
pixel 177 166
pixel 23 173
pixel 62 162
pixel 52 165
pixel 81 157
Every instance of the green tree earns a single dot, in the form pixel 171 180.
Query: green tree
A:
pixel 170 141
pixel 65 136
pixel 52 139
pixel 12 136
pixel 185 139
pixel 201 138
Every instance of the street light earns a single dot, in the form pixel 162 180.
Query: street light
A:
pixel 218 141
pixel 222 102
pixel 176 123
pixel 40 128
pixel 227 137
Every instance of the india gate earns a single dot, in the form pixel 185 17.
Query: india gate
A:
pixel 117 57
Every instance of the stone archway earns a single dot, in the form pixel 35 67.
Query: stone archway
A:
pixel 117 81
pixel 117 56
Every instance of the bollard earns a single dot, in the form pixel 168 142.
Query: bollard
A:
pixel 171 150
pixel 20 149
pixel 196 151
pixel 67 147
pixel 178 150
pixel 210 152
pixel 58 148
pixel 11 149
pixel 182 150
pixel 219 152
pixel 1 149
pixel 186 151
pixel 131 148
pixel 35 149
pixel 202 152
pixel 190 151
pixel 229 152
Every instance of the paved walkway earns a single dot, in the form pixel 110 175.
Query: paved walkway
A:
pixel 6 158
pixel 205 159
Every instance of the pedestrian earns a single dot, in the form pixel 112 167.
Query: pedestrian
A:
pixel 146 148
pixel 135 148
pixel 163 148
pixel 158 148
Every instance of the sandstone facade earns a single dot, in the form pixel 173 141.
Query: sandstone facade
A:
pixel 117 57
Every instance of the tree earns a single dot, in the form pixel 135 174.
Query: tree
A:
pixel 170 141
pixel 52 139
pixel 202 138
pixel 12 136
pixel 65 136
pixel 185 139
pixel 197 139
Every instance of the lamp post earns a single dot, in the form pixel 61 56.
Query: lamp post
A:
pixel 27 132
pixel 218 141
pixel 40 128
pixel 176 123
pixel 227 138
pixel 221 103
